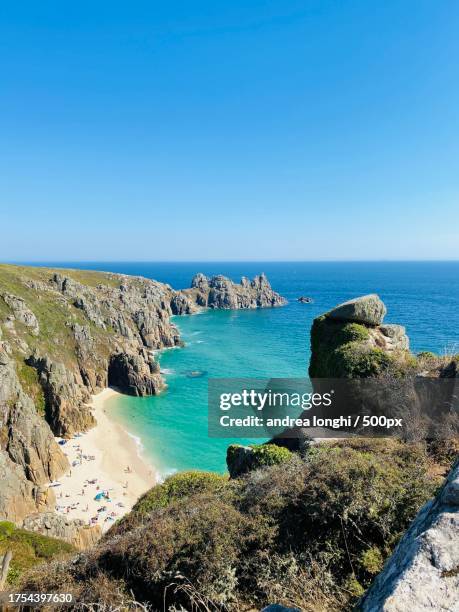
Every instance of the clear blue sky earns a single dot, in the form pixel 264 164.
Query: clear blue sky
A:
pixel 232 130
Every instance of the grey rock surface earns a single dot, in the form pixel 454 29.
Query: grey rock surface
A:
pixel 220 292
pixel 21 312
pixel 423 572
pixel 75 531
pixel 132 374
pixel 368 309
pixel 29 455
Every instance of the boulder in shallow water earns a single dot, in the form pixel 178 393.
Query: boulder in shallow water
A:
pixel 368 309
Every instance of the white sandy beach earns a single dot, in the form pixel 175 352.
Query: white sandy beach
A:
pixel 105 460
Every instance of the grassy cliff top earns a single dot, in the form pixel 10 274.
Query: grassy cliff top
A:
pixel 54 313
pixel 11 274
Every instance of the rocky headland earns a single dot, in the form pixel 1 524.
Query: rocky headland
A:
pixel 68 334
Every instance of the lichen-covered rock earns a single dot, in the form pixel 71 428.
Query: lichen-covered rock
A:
pixel 74 531
pixel 220 292
pixel 21 312
pixel 368 309
pixel 423 572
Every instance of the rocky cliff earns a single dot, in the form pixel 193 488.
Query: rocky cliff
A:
pixel 29 455
pixel 65 334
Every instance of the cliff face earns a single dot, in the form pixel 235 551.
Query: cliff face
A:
pixel 67 334
pixel 29 455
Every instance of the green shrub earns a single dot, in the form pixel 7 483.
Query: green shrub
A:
pixel 270 454
pixel 259 456
pixel 180 486
pixel 6 529
pixel 353 587
pixel 372 560
pixel 28 548
pixel 341 350
pixel 353 332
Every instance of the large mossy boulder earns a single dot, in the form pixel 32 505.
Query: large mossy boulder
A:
pixel 350 341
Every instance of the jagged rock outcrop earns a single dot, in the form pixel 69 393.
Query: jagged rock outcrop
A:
pixel 75 531
pixel 21 312
pixel 351 341
pixel 66 397
pixel 92 333
pixel 133 375
pixel 423 572
pixel 29 455
pixel 19 496
pixel 221 292
pixel 181 305
pixel 200 281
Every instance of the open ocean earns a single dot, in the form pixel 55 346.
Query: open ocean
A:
pixel 172 427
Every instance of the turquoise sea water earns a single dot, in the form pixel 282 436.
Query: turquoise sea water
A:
pixel 271 342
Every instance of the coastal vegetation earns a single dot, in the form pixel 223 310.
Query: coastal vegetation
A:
pixel 309 532
pixel 28 549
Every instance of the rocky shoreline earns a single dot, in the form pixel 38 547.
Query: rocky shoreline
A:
pixel 68 334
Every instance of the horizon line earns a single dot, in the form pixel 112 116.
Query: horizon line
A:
pixel 223 261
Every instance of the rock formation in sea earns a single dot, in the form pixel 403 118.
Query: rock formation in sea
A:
pixel 220 292
pixel 65 335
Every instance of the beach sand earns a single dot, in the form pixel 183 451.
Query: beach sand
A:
pixel 104 459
